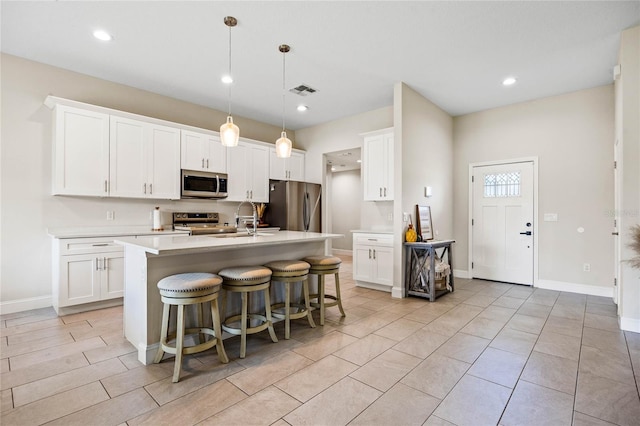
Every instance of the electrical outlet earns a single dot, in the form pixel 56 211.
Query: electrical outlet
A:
pixel 405 217
pixel 111 215
pixel 586 267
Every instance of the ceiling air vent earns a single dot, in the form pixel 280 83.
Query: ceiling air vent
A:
pixel 303 90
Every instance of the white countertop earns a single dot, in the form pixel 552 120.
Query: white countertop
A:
pixel 372 231
pixel 109 231
pixel 182 243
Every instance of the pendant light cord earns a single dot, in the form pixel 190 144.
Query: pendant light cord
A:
pixel 229 91
pixel 283 88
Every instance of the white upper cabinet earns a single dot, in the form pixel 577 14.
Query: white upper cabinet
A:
pixel 291 168
pixel 144 160
pixel 80 152
pixel 202 152
pixel 377 165
pixel 248 170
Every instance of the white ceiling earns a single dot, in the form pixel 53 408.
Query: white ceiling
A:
pixel 454 53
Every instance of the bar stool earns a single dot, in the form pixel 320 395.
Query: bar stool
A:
pixel 245 280
pixel 321 266
pixel 189 289
pixel 287 272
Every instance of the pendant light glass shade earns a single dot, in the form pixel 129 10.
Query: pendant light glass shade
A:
pixel 283 146
pixel 229 133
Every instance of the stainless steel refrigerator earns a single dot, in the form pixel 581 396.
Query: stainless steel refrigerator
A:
pixel 294 206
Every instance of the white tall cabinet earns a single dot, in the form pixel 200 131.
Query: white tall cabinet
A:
pixel 377 165
pixel 291 168
pixel 202 152
pixel 248 170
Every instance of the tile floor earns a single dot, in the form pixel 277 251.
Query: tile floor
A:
pixel 489 353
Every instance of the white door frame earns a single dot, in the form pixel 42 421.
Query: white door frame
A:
pixel 536 219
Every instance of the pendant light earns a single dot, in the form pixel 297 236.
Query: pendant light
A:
pixel 229 132
pixel 283 145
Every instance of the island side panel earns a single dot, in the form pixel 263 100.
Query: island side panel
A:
pixel 136 300
pixel 145 309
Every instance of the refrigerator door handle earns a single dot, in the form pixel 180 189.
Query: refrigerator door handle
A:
pixel 305 211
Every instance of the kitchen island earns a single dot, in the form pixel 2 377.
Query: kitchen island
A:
pixel 149 259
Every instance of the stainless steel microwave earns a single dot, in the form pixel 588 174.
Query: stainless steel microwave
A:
pixel 203 185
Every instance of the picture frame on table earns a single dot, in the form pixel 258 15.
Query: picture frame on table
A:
pixel 423 220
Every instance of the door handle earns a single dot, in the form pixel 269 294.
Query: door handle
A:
pixel 615 233
pixel 526 233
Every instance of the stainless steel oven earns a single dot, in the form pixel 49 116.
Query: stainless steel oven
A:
pixel 203 185
pixel 201 223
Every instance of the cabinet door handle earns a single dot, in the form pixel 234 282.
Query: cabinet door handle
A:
pixel 105 186
pixel 144 188
pixel 372 239
pixel 203 163
pixel 207 163
pixel 150 188
pixel 247 194
pixel 374 253
pixel 104 264
pixel 369 253
pixel 385 191
pixel 251 192
pixel 100 245
pixel 381 192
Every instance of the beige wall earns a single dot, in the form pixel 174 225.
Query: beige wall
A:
pixel 27 209
pixel 628 135
pixel 423 157
pixel 345 206
pixel 572 136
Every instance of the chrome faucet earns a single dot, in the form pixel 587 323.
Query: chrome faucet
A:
pixel 253 217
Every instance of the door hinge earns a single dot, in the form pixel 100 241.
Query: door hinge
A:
pixel 472 179
pixel 615 282
pixel 472 222
pixel 615 164
pixel 471 265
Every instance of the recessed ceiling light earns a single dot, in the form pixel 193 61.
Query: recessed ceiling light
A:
pixel 333 169
pixel 358 161
pixel 102 35
pixel 226 79
pixel 509 81
pixel 302 108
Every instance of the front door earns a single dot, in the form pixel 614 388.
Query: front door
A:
pixel 502 222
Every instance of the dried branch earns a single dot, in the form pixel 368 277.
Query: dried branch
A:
pixel 635 246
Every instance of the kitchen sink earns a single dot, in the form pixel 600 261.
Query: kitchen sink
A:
pixel 240 235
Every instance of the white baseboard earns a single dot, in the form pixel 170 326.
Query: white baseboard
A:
pixel 630 324
pixel 20 305
pixel 461 273
pixel 575 288
pixel 397 292
pixel 342 252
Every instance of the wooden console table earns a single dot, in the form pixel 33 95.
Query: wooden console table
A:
pixel 420 280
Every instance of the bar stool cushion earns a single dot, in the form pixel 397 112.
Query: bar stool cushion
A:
pixel 285 268
pixel 322 262
pixel 190 282
pixel 250 274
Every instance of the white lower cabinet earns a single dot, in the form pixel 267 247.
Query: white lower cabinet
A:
pixel 373 260
pixel 87 270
